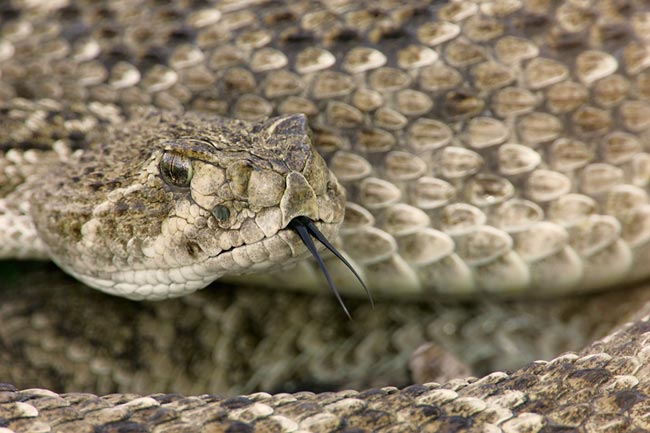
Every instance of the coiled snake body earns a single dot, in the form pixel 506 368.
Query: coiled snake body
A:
pixel 485 148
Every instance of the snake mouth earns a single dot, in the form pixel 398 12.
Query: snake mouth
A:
pixel 306 229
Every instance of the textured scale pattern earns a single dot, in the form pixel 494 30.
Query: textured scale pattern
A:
pixel 604 389
pixel 493 146
pixel 498 148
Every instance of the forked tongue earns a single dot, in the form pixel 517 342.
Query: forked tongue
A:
pixel 306 228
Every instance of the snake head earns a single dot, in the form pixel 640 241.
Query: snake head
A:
pixel 171 202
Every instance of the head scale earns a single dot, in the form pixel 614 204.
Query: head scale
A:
pixel 169 203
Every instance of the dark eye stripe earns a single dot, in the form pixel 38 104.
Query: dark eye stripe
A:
pixel 176 169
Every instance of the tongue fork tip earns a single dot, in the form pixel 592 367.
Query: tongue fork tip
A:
pixel 305 228
pixel 304 236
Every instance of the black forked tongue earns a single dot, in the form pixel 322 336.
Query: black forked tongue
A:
pixel 306 229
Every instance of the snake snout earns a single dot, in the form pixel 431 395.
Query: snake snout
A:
pixel 305 228
pixel 299 199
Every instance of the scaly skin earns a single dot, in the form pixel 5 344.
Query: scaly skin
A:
pixel 68 338
pixel 486 153
pixel 128 232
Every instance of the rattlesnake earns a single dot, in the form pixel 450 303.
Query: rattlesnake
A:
pixel 485 148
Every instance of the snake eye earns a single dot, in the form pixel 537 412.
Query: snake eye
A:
pixel 176 169
pixel 220 212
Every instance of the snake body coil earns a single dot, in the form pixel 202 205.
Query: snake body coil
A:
pixel 482 148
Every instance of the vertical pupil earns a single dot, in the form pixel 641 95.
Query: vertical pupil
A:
pixel 176 169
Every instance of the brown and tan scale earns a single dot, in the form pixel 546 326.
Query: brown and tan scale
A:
pixel 510 135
